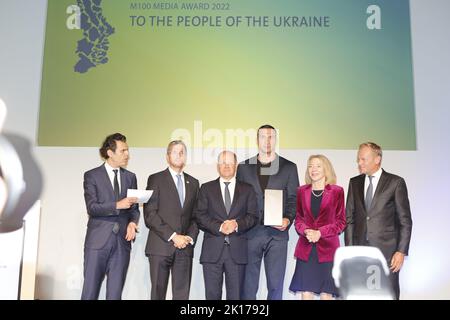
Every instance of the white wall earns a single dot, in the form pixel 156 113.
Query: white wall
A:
pixel 425 275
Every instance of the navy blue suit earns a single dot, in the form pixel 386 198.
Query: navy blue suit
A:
pixel 106 251
pixel 266 241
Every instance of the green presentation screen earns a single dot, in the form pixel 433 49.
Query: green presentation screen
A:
pixel 328 74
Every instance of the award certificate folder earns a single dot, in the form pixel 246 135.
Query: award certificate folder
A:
pixel 273 207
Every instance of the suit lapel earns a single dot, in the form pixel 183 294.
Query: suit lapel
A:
pixel 380 187
pixel 187 188
pixel 237 192
pixel 218 195
pixel 107 181
pixel 172 187
pixel 123 184
pixel 325 199
pixel 359 190
pixel 254 172
pixel 307 195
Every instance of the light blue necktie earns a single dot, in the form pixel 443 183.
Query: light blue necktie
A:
pixel 180 189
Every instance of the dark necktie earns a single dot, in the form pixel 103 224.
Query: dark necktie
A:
pixel 369 194
pixel 116 185
pixel 227 206
pixel 227 198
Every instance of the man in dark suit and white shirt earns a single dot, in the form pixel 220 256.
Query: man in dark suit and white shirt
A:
pixel 113 220
pixel 268 170
pixel 226 209
pixel 172 228
pixel 378 212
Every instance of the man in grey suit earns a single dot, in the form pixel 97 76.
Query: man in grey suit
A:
pixel 268 170
pixel 112 221
pixel 172 228
pixel 378 212
pixel 226 209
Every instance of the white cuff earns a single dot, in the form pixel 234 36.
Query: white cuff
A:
pixel 171 237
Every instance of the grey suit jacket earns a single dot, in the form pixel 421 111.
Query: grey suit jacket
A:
pixel 284 177
pixel 101 206
pixel 210 213
pixel 164 215
pixel 388 222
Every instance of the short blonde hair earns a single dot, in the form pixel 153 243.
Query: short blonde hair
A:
pixel 173 144
pixel 330 175
pixel 374 147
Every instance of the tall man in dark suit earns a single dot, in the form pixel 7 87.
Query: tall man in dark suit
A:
pixel 378 212
pixel 112 221
pixel 172 228
pixel 226 209
pixel 268 170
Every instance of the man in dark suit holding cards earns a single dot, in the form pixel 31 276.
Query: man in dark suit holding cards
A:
pixel 113 219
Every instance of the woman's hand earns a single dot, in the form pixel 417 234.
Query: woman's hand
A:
pixel 312 235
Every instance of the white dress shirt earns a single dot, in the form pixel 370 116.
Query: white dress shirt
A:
pixel 231 187
pixel 376 178
pixel 110 172
pixel 174 174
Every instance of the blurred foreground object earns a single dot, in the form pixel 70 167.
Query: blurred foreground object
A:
pixel 361 273
pixel 20 188
pixel 22 181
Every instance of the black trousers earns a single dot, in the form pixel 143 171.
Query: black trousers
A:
pixel 393 277
pixel 213 273
pixel 395 281
pixel 179 266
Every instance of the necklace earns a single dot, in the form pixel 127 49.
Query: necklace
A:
pixel 317 195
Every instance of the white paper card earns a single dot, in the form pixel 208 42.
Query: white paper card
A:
pixel 142 195
pixel 273 207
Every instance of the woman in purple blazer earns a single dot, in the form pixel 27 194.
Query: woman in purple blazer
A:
pixel 319 221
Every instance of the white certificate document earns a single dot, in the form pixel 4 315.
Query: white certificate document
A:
pixel 142 195
pixel 273 207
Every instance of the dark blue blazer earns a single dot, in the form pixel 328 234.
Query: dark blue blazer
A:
pixel 101 206
pixel 284 177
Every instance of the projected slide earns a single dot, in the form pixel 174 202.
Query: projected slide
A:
pixel 329 74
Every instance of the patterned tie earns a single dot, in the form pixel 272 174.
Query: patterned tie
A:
pixel 227 198
pixel 116 185
pixel 369 194
pixel 180 189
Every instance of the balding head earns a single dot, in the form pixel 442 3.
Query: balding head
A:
pixel 227 164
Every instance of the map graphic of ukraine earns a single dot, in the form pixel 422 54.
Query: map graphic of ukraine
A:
pixel 92 49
